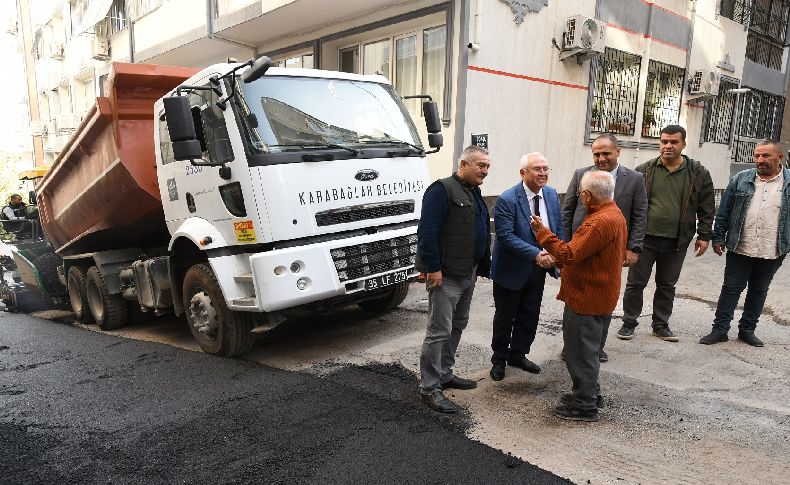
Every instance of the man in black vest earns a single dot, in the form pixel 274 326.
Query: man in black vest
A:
pixel 452 250
pixel 15 212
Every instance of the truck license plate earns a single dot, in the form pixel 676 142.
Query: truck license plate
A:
pixel 386 280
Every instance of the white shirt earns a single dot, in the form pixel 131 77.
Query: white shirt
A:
pixel 544 212
pixel 761 224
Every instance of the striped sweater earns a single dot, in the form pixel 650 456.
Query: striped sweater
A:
pixel 592 262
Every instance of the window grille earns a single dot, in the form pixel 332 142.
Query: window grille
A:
pixel 719 113
pixel 760 117
pixel 737 10
pixel 615 93
pixel 662 97
pixel 767 23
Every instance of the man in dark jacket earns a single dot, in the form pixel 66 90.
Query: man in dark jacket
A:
pixel 680 204
pixel 453 250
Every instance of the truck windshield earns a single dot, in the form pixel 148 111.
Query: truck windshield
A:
pixel 300 113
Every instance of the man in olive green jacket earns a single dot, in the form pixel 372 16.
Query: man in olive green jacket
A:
pixel 681 203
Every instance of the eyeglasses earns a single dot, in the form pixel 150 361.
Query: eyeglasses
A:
pixel 540 170
pixel 579 194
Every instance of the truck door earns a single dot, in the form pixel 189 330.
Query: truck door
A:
pixel 199 191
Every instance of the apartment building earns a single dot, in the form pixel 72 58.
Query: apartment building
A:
pixel 523 75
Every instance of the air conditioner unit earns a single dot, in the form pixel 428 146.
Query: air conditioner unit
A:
pixel 583 37
pixel 100 49
pixel 56 52
pixel 704 82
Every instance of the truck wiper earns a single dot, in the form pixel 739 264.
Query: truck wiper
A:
pixel 389 141
pixel 318 146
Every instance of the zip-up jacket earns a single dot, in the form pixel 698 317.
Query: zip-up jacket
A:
pixel 698 208
pixel 734 204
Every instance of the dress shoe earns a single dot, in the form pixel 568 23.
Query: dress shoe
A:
pixel 438 402
pixel 750 338
pixel 567 398
pixel 572 413
pixel 714 338
pixel 459 383
pixel 524 363
pixel 497 372
pixel 603 356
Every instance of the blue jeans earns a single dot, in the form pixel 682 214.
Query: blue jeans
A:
pixel 742 271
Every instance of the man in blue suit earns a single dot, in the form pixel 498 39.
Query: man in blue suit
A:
pixel 519 265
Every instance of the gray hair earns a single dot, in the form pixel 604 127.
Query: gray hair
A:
pixel 776 144
pixel 531 156
pixel 470 152
pixel 599 183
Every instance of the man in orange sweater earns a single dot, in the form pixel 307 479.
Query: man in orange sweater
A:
pixel 592 263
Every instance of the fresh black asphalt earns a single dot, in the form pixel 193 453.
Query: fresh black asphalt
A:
pixel 82 407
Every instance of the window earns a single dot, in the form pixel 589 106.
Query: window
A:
pixel 376 58
pixel 760 117
pixel 717 126
pixel 115 21
pixel 615 92
pixel 767 23
pixel 349 60
pixel 662 97
pixel 210 128
pixel 434 48
pixel 415 62
pixel 305 61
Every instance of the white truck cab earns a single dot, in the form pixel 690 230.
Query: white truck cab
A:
pixel 301 188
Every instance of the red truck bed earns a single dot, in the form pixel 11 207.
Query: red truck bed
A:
pixel 102 192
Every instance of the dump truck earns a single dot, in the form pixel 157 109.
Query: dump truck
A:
pixel 238 195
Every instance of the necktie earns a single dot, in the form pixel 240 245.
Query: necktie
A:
pixel 537 206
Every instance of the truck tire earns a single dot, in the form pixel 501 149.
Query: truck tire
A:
pixel 108 311
pixel 388 302
pixel 217 329
pixel 78 294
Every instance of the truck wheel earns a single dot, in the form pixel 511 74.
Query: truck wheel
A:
pixel 388 302
pixel 109 311
pixel 78 294
pixel 218 330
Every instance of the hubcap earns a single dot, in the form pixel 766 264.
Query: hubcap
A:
pixel 75 298
pixel 203 315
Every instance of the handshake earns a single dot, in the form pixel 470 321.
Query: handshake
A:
pixel 544 260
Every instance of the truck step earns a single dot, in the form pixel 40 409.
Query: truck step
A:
pixel 243 278
pixel 245 301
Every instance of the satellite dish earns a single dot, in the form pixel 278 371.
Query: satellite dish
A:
pixel 590 34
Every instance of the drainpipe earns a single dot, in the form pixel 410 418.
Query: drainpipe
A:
pixel 131 31
pixel 211 7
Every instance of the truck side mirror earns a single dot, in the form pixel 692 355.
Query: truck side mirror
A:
pixel 430 111
pixel 257 70
pixel 181 126
pixel 435 140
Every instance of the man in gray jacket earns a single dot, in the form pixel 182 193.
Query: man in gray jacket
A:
pixel 629 195
pixel 753 225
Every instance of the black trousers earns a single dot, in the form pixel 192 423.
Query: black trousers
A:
pixel 516 317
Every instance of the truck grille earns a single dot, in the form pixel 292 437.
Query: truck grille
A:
pixel 362 212
pixel 361 260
